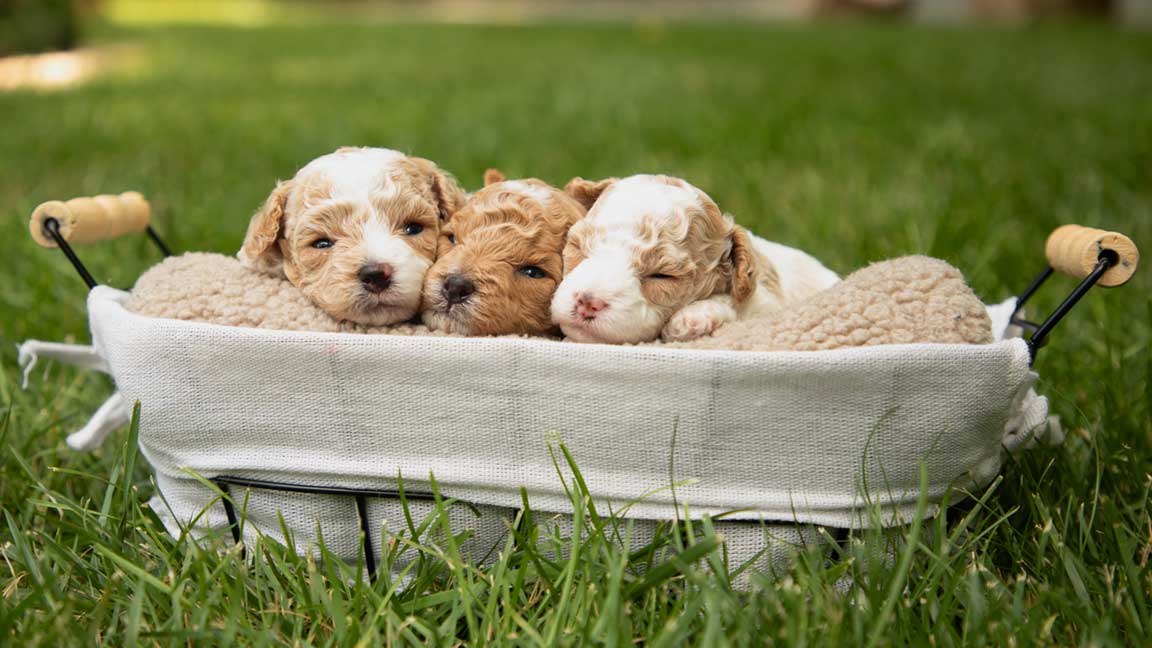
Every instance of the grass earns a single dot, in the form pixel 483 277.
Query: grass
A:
pixel 856 142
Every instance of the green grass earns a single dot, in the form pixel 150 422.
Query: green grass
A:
pixel 855 142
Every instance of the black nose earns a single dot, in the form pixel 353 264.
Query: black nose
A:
pixel 457 288
pixel 375 277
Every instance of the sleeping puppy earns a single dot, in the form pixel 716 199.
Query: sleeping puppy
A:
pixel 355 231
pixel 655 257
pixel 500 259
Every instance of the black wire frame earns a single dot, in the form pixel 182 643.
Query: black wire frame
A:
pixel 52 230
pixel 359 495
pixel 1040 332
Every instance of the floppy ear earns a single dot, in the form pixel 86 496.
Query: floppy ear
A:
pixel 748 268
pixel 573 254
pixel 446 192
pixel 492 176
pixel 260 251
pixel 587 191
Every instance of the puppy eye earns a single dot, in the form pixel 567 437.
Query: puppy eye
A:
pixel 533 272
pixel 659 275
pixel 322 243
pixel 452 239
pixel 412 229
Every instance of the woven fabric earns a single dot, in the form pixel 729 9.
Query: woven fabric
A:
pixel 809 437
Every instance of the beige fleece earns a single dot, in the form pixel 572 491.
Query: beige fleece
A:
pixel 213 288
pixel 905 300
pixel 900 301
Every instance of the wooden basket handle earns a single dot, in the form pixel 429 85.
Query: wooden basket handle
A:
pixel 1075 250
pixel 91 218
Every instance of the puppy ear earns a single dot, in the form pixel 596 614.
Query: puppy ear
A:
pixel 446 191
pixel 492 176
pixel 587 191
pixel 260 251
pixel 748 268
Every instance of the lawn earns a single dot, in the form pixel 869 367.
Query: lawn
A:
pixel 855 142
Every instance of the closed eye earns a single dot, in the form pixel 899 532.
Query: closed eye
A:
pixel 532 272
pixel 659 275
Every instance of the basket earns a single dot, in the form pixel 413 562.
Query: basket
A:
pixel 297 435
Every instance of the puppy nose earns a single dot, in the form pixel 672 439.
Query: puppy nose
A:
pixel 457 288
pixel 375 277
pixel 588 306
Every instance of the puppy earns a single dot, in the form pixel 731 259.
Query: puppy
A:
pixel 500 259
pixel 355 231
pixel 655 257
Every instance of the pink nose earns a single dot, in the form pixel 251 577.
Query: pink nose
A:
pixel 587 306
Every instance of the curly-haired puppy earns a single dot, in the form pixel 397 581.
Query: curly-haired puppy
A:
pixel 655 257
pixel 355 231
pixel 500 259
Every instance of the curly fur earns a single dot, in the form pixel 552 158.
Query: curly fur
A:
pixel 656 258
pixel 504 229
pixel 354 210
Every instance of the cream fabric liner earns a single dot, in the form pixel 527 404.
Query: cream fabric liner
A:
pixel 779 437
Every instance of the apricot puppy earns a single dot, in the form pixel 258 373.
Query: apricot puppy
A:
pixel 655 257
pixel 500 259
pixel 355 231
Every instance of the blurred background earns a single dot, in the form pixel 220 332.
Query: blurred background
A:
pixel 48 25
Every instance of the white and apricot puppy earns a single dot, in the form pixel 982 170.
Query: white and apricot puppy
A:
pixel 501 259
pixel 355 231
pixel 655 257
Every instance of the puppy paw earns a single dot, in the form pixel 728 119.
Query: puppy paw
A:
pixel 697 320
